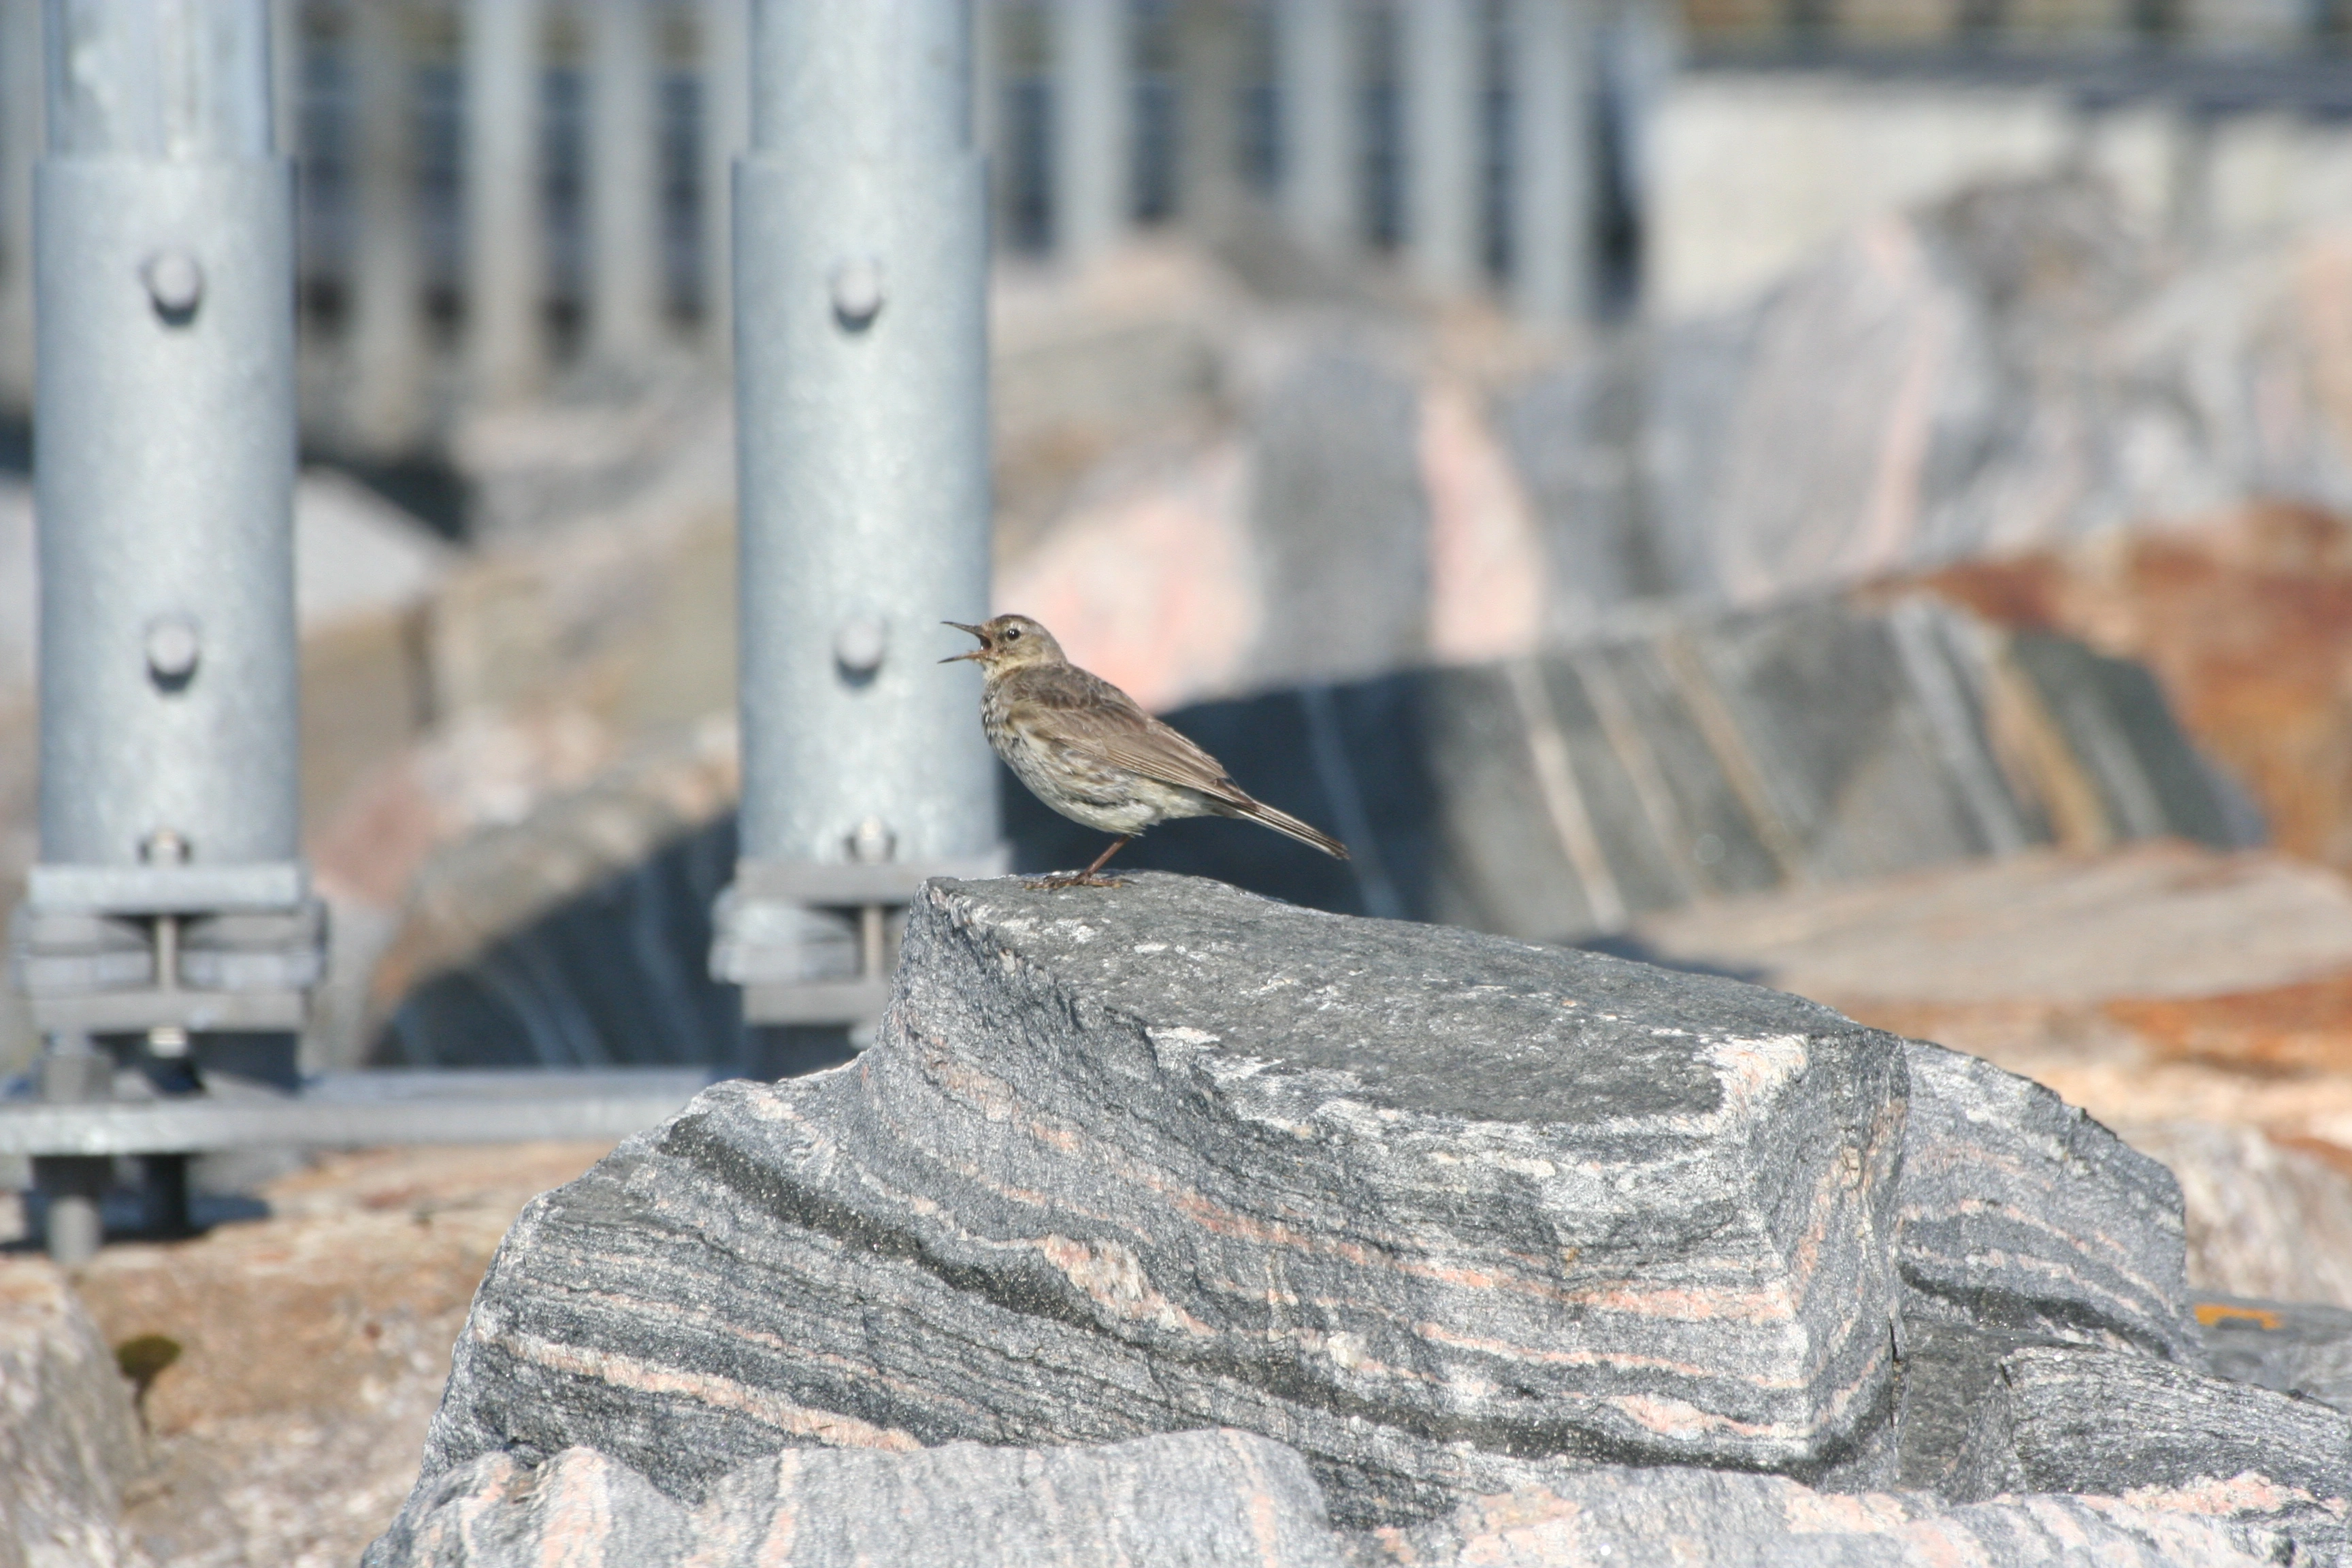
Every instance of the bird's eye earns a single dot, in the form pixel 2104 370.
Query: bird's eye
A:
pixel 1012 634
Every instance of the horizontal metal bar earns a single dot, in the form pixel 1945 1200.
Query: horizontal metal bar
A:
pixel 338 1112
pixel 386 1085
pixel 129 1011
pixel 837 885
pixel 817 1001
pixel 167 889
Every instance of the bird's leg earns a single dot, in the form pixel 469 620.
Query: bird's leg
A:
pixel 1087 879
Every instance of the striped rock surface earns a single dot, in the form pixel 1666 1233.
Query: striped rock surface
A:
pixel 2022 1213
pixel 1432 1207
pixel 1611 1517
pixel 1196 1497
pixel 2070 1419
pixel 2024 1223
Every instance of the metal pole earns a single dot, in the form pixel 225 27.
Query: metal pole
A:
pixel 988 24
pixel 1643 49
pixel 20 146
pixel 1314 48
pixel 169 899
pixel 1092 127
pixel 1209 46
pixel 726 132
pixel 862 391
pixel 624 288
pixel 1553 127
pixel 1441 77
pixel 505 242
pixel 384 411
pixel 286 62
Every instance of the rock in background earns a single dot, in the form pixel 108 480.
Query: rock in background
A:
pixel 1555 799
pixel 2018 365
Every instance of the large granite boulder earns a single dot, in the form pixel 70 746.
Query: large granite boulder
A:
pixel 1436 1209
pixel 1476 1252
pixel 1197 1498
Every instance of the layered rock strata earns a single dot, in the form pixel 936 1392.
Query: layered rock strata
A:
pixel 1227 1497
pixel 1430 1207
pixel 1498 1254
pixel 1610 1517
pixel 1197 1498
pixel 2071 1420
pixel 2024 1222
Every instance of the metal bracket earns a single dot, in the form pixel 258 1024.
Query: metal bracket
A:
pixel 167 889
pixel 128 948
pixel 814 943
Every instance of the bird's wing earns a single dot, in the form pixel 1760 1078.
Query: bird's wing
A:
pixel 1076 708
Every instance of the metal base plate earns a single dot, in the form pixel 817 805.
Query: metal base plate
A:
pixel 361 1109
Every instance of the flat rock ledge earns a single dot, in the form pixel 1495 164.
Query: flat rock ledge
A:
pixel 1401 1220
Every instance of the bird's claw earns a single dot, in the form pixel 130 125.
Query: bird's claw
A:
pixel 1060 879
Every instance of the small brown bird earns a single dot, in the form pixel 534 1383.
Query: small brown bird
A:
pixel 1086 749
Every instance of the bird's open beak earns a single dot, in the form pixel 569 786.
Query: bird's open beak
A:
pixel 976 653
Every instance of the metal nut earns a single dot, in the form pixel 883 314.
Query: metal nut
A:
pixel 872 842
pixel 857 293
pixel 860 643
pixel 175 282
pixel 173 648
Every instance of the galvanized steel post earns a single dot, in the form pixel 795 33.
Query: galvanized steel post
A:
pixel 20 145
pixel 169 899
pixel 726 129
pixel 627 321
pixel 862 397
pixel 1554 131
pixel 506 343
pixel 1094 149
pixel 1209 46
pixel 1315 65
pixel 1443 66
pixel 384 392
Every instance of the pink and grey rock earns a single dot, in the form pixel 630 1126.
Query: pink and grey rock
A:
pixel 1436 1209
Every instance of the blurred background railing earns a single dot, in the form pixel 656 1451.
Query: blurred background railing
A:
pixel 499 191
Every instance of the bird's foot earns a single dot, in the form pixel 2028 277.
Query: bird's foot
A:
pixel 1060 879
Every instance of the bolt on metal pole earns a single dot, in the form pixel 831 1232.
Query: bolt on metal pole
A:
pixel 862 397
pixel 169 899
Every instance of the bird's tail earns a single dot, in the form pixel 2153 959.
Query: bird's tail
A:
pixel 1283 822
